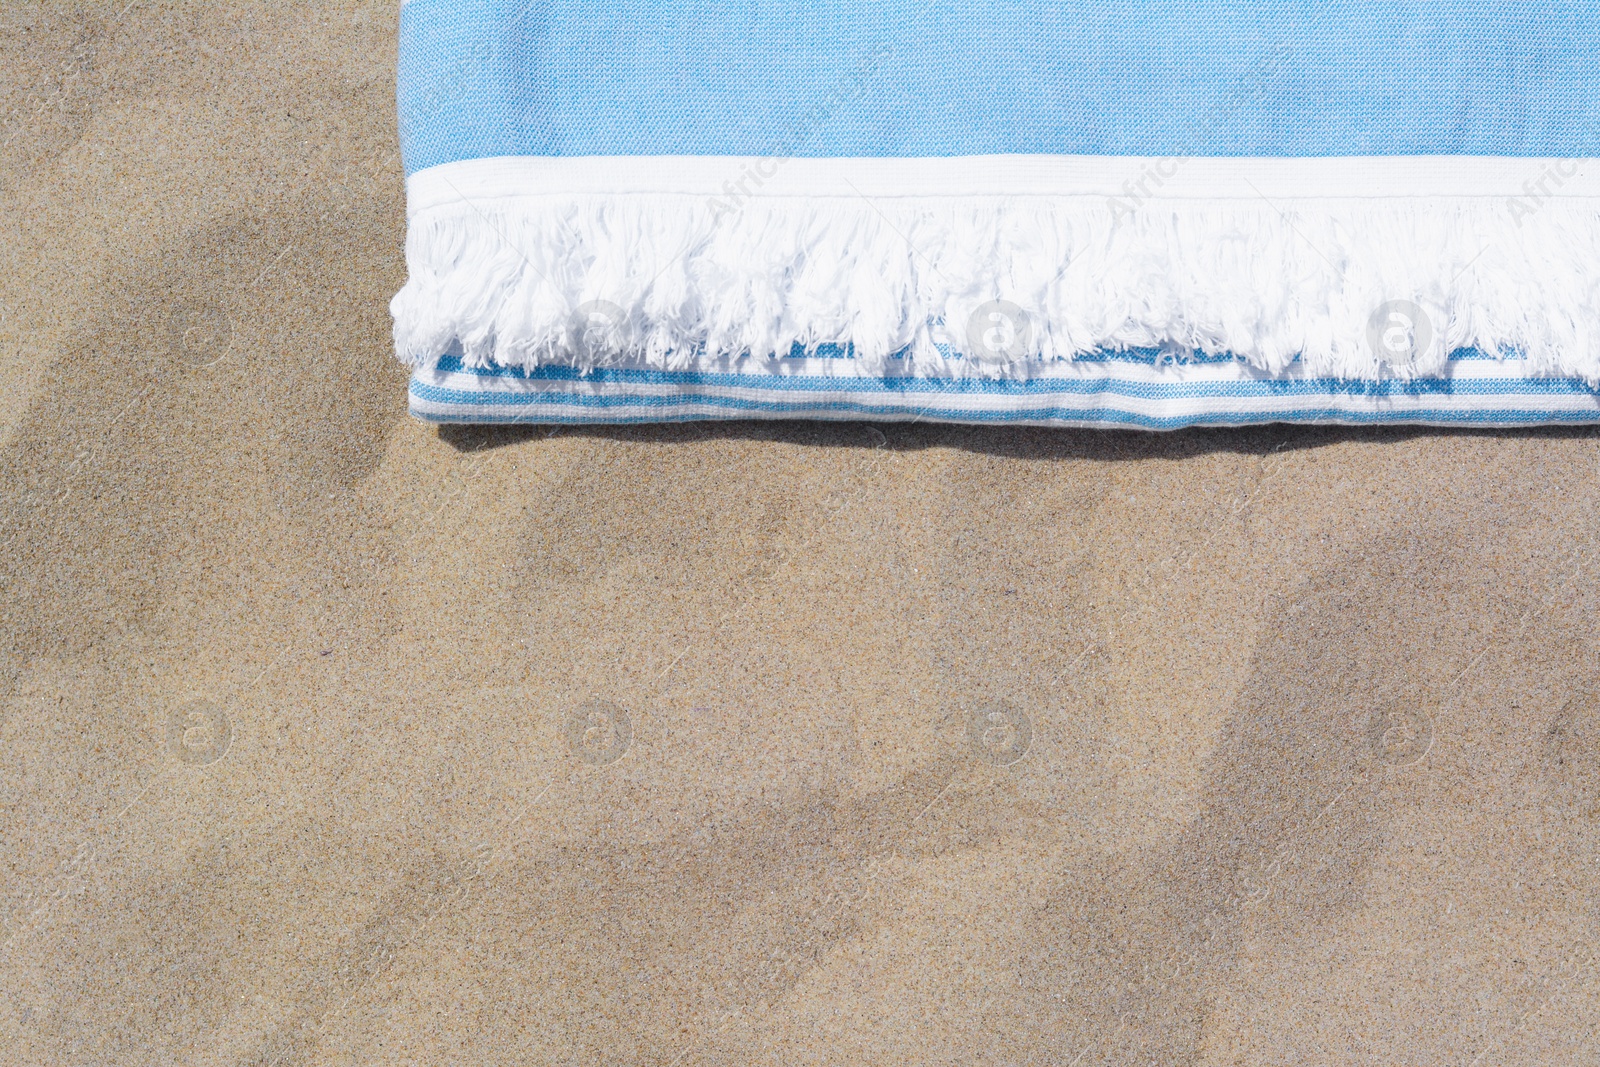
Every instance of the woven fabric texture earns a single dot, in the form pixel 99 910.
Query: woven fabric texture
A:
pixel 827 78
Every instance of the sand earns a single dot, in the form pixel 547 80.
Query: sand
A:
pixel 331 737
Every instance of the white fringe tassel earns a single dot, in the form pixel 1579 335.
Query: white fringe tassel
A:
pixel 678 281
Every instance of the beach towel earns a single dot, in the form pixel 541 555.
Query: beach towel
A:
pixel 1113 213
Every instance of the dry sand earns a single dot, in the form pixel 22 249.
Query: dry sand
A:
pixel 289 772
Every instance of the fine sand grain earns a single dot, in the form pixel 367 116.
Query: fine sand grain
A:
pixel 330 737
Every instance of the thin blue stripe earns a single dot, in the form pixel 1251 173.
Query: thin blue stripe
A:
pixel 612 410
pixel 1134 356
pixel 1266 388
pixel 1507 417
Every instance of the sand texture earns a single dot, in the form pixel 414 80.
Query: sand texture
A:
pixel 334 738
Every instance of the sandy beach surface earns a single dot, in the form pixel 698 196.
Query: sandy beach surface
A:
pixel 334 738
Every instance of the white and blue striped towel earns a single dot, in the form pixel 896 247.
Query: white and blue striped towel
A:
pixel 1083 212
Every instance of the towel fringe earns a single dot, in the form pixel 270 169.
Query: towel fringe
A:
pixel 1355 289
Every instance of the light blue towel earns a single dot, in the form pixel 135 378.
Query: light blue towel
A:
pixel 1081 213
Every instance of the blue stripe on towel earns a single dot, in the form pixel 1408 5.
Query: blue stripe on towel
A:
pixel 963 77
pixel 903 384
pixel 553 395
pixel 645 409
